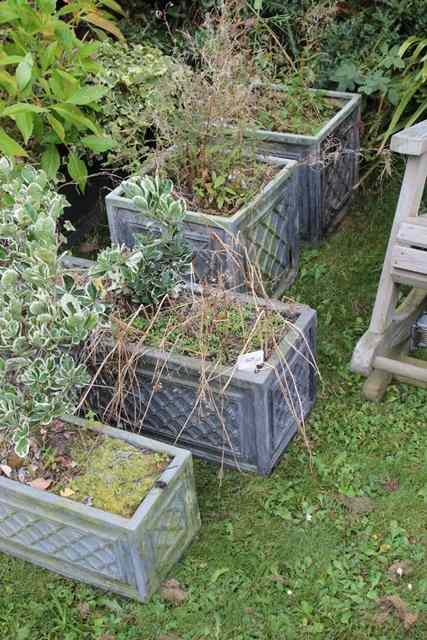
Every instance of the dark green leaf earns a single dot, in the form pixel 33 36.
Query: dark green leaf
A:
pixel 77 170
pixel 99 144
pixel 51 161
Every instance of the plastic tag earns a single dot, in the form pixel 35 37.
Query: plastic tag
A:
pixel 249 361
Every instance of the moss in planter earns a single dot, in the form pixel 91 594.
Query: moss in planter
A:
pixel 296 110
pixel 213 329
pixel 114 476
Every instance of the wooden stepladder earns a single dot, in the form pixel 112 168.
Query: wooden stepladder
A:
pixel 382 352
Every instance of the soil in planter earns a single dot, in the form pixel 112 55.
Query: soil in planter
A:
pixel 292 111
pixel 212 328
pixel 87 467
pixel 220 181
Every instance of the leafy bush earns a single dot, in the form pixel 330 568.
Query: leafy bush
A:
pixel 43 315
pixel 138 81
pixel 47 106
pixel 160 261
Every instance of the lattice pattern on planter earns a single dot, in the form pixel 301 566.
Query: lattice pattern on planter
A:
pixel 294 387
pixel 59 540
pixel 271 241
pixel 170 407
pixel 339 158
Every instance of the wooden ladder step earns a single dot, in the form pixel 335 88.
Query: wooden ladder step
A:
pixel 405 369
pixel 409 259
pixel 413 234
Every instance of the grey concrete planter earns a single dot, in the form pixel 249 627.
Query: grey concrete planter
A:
pixel 328 164
pixel 127 556
pixel 265 232
pixel 246 419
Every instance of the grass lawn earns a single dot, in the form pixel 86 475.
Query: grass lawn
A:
pixel 282 557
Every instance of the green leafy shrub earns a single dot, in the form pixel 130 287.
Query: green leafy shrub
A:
pixel 138 83
pixel 47 107
pixel 43 315
pixel 160 261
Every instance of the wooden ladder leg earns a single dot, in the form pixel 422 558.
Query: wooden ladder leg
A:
pixel 408 206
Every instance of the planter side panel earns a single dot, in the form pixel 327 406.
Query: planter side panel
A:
pixel 327 173
pixel 74 551
pixel 213 246
pixel 171 408
pixel 163 538
pixel 292 393
pixel 271 239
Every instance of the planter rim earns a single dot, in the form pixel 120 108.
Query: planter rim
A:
pixel 227 222
pixel 351 100
pixel 305 313
pixel 94 514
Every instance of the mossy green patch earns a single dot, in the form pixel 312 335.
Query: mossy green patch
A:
pixel 115 476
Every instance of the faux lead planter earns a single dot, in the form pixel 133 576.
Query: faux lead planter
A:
pixel 264 232
pixel 246 419
pixel 328 164
pixel 127 556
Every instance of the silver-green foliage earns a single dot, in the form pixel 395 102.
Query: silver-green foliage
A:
pixel 43 315
pixel 161 258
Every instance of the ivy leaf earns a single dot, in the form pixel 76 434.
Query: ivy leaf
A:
pixel 77 170
pixel 24 72
pixel 25 123
pixel 22 446
pixel 51 160
pixel 9 146
pixel 86 95
pixel 99 144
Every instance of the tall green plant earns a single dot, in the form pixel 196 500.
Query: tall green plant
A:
pixel 414 81
pixel 43 315
pixel 47 107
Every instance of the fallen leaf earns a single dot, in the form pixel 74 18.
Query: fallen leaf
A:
pixel 41 483
pixel 84 609
pixel 173 592
pixel 67 492
pixel 88 247
pixel 399 569
pixel 14 460
pixel 357 504
pixel 278 579
pixel 399 606
pixel 170 636
pixel 391 485
pixel 6 470
pixel 107 636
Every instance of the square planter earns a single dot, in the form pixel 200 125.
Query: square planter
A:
pixel 126 556
pixel 263 232
pixel 246 419
pixel 328 164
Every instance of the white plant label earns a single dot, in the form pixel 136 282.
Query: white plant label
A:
pixel 249 361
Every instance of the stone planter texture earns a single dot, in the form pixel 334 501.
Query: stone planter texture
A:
pixel 127 556
pixel 328 165
pixel 265 231
pixel 246 420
